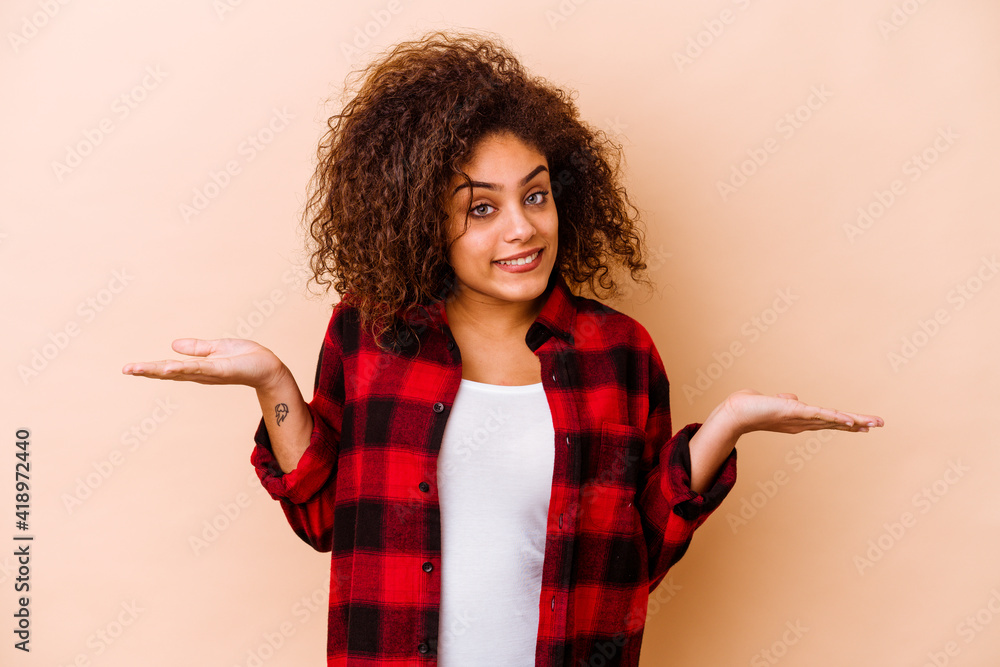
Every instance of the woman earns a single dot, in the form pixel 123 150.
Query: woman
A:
pixel 487 456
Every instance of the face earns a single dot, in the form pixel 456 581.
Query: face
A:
pixel 511 214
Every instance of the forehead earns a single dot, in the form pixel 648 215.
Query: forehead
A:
pixel 499 150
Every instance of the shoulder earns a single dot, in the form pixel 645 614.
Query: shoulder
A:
pixel 348 330
pixel 343 315
pixel 599 323
pixel 616 344
pixel 344 328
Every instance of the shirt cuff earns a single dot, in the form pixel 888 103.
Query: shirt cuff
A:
pixel 308 477
pixel 688 504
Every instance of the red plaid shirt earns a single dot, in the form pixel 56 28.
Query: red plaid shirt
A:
pixel 621 511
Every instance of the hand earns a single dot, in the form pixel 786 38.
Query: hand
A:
pixel 224 361
pixel 748 410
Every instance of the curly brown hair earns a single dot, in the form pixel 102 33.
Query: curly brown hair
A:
pixel 376 213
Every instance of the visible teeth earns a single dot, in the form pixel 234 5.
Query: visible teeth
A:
pixel 519 262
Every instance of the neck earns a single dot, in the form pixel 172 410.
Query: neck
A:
pixel 493 320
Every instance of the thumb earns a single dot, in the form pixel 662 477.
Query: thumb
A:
pixel 193 346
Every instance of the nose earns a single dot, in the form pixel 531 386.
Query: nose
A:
pixel 518 227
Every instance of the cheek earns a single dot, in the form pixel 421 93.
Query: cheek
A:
pixel 455 247
pixel 462 255
pixel 477 247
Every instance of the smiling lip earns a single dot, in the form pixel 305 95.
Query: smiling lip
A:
pixel 521 268
pixel 529 253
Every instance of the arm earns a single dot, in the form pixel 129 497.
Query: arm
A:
pixel 287 418
pixel 709 447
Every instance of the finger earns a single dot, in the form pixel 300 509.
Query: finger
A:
pixel 170 369
pixel 143 367
pixel 791 396
pixel 870 420
pixel 185 377
pixel 851 422
pixel 864 420
pixel 820 414
pixel 194 346
pixel 820 425
pixel 858 427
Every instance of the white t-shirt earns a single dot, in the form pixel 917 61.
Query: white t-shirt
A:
pixel 494 483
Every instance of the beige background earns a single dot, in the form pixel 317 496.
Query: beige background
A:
pixel 831 538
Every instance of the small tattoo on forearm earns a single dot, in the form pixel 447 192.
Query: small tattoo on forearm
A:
pixel 280 412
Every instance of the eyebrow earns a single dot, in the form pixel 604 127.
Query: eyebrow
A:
pixel 494 186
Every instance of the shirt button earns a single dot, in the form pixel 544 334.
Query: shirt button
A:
pixel 567 439
pixel 553 603
pixel 428 566
pixel 450 345
pixel 439 407
pixel 553 377
pixel 422 649
pixel 425 487
pixel 560 520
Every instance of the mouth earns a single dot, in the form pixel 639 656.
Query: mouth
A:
pixel 521 264
pixel 529 261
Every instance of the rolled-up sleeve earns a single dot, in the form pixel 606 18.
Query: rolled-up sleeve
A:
pixel 313 469
pixel 688 504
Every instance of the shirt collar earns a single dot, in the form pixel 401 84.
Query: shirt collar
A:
pixel 557 317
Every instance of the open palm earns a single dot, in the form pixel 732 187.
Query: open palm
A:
pixel 749 410
pixel 220 361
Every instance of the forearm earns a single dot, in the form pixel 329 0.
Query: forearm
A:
pixel 710 446
pixel 287 418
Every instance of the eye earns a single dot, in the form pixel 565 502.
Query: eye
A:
pixel 479 208
pixel 542 197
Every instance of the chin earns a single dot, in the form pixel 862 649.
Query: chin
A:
pixel 529 287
